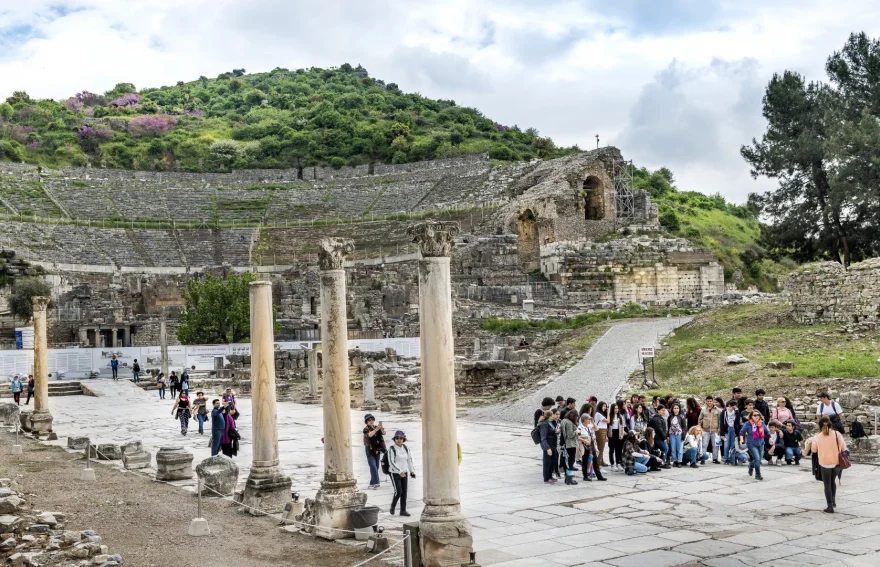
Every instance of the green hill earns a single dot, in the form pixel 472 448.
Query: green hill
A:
pixel 279 119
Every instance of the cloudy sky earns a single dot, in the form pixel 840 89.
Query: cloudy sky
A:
pixel 671 82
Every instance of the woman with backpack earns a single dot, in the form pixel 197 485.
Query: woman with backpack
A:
pixel 830 446
pixel 400 465
pixel 547 430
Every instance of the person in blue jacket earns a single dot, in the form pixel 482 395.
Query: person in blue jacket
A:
pixel 114 367
pixel 754 433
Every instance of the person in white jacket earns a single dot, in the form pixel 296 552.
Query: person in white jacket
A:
pixel 693 447
pixel 400 466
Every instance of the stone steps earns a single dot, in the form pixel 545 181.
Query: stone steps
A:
pixel 55 389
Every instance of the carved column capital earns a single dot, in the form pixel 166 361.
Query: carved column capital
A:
pixel 434 238
pixel 331 255
pixel 40 302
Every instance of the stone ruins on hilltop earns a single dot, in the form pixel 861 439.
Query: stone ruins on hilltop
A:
pixel 118 246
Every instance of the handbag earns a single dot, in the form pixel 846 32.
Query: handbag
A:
pixel 842 457
pixel 234 435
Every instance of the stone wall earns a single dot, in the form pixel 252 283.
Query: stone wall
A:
pixel 828 292
pixel 643 270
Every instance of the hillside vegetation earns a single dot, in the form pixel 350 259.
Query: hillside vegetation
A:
pixel 283 118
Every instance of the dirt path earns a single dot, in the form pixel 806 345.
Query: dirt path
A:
pixel 146 522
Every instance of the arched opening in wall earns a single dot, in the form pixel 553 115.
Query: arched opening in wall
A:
pixel 529 246
pixel 594 199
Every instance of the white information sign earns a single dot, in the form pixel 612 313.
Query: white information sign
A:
pixel 646 352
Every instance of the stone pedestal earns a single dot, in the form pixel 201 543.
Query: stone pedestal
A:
pixel 137 460
pixel 108 452
pixel 267 490
pixel 173 463
pixel 405 401
pixel 77 443
pixel 219 476
pixel 444 533
pixel 369 388
pixel 338 493
pixel 41 419
pixel 9 413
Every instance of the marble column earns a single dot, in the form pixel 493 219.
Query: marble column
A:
pixel 313 373
pixel 445 534
pixel 338 492
pixel 266 489
pixel 163 345
pixel 114 337
pixel 41 419
pixel 369 387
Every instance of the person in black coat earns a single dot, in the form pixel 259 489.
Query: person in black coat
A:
pixel 761 404
pixel 549 442
pixel 546 405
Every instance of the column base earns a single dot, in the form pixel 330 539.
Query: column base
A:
pixel 266 491
pixel 41 422
pixel 369 406
pixel 444 536
pixel 331 509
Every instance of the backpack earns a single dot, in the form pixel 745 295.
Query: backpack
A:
pixel 136 367
pixel 856 430
pixel 536 434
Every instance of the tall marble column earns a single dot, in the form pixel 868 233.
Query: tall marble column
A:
pixel 338 493
pixel 163 345
pixel 313 373
pixel 41 419
pixel 445 534
pixel 266 489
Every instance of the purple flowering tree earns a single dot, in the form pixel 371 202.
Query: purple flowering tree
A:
pixel 89 99
pixel 128 100
pixel 21 133
pixel 90 137
pixel 151 124
pixel 502 127
pixel 73 104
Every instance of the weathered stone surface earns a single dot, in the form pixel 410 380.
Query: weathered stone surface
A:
pixel 219 476
pixel 10 504
pixel 737 359
pixel 173 463
pixel 137 460
pixel 77 443
pixel 9 413
pixel 780 365
pixel 851 400
pixel 9 523
pixel 827 291
pixel 109 452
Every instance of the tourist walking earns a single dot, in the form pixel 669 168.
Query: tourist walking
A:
pixel 181 411
pixel 114 367
pixel 677 429
pixel 549 443
pixel 568 435
pixel 754 434
pixel 229 440
pixel 829 444
pixel 600 422
pixel 731 423
pixel 31 384
pixel 710 423
pixel 374 446
pixel 400 465
pixel 200 409
pixel 218 425
pixel 616 430
pixel 16 387
pixel 136 371
pixel 160 383
pixel 174 382
pixel 184 383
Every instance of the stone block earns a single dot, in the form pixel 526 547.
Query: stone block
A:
pixel 737 359
pixel 219 476
pixel 109 452
pixel 9 413
pixel 851 400
pixel 77 443
pixel 131 447
pixel 137 460
pixel 173 463
pixel 780 365
pixel 10 504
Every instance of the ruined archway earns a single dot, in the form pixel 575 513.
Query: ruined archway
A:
pixel 594 199
pixel 529 245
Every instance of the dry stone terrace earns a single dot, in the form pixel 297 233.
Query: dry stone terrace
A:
pixel 715 516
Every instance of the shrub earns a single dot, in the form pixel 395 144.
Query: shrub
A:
pixel 151 124
pixel 337 162
pixel 10 150
pixel 669 221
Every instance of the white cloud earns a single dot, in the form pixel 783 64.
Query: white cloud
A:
pixel 677 83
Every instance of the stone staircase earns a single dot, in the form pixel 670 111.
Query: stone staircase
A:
pixel 56 388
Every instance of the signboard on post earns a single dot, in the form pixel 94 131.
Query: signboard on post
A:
pixel 646 352
pixel 24 338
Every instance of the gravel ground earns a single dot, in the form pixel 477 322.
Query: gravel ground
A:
pixel 601 372
pixel 146 522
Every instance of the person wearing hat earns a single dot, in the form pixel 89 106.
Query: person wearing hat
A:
pixel 374 446
pixel 399 466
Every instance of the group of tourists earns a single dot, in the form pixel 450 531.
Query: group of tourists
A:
pixel 175 382
pixel 17 387
pixel 394 460
pixel 642 437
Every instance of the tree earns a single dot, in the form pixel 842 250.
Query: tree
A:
pixel 21 303
pixel 216 310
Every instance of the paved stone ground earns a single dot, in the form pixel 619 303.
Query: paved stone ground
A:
pixel 716 516
pixel 601 372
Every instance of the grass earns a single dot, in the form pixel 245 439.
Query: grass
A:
pixel 761 333
pixel 630 311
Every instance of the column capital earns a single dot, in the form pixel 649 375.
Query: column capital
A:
pixel 434 238
pixel 40 302
pixel 331 255
pixel 259 283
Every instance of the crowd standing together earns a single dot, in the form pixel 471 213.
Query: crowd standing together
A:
pixel 665 434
